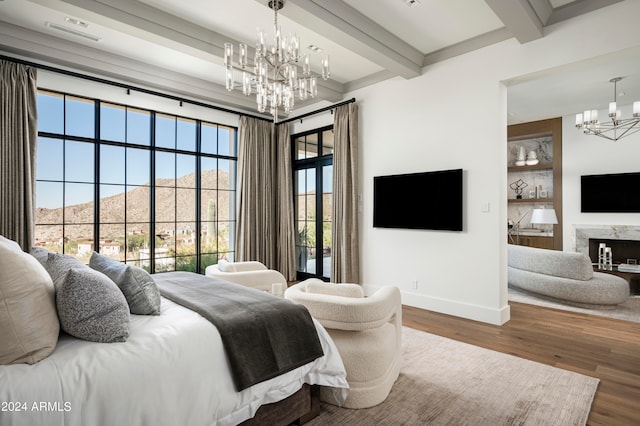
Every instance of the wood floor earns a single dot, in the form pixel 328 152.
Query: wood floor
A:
pixel 594 346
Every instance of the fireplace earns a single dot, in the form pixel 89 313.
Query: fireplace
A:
pixel 623 251
pixel 624 241
pixel 606 234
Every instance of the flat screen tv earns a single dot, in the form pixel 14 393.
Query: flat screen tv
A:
pixel 611 193
pixel 428 200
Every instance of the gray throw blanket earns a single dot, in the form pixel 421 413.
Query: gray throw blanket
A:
pixel 263 335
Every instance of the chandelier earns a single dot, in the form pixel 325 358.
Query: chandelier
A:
pixel 274 75
pixel 615 129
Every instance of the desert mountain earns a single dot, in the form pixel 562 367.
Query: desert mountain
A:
pixel 175 201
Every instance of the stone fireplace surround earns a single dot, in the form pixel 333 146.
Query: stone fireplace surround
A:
pixel 582 234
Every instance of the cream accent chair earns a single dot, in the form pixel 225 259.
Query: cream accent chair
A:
pixel 366 330
pixel 250 274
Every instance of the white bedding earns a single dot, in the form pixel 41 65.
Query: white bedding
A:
pixel 171 371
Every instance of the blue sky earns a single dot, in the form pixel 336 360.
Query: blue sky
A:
pixel 74 160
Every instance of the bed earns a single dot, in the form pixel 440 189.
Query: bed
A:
pixel 172 369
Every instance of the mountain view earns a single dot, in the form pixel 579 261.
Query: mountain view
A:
pixel 174 214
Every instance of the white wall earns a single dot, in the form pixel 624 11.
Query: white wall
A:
pixel 454 116
pixel 590 155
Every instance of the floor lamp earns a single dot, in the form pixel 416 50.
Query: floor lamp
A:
pixel 539 216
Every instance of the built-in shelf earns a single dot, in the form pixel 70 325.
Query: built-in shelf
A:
pixel 536 234
pixel 545 138
pixel 530 200
pixel 539 166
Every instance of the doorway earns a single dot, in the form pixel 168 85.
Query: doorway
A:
pixel 313 189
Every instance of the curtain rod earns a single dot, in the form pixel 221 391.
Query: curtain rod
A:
pixel 127 86
pixel 300 117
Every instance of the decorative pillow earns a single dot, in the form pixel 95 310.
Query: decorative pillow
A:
pixel 344 289
pixel 250 265
pixel 91 307
pixel 41 254
pixel 136 284
pixel 29 325
pixel 225 266
pixel 58 264
pixel 10 244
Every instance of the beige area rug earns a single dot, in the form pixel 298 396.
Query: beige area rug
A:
pixel 628 311
pixel 445 382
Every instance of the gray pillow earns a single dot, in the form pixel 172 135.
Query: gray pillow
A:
pixel 57 265
pixel 41 254
pixel 91 307
pixel 136 284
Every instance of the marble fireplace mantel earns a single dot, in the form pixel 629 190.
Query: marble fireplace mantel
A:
pixel 582 233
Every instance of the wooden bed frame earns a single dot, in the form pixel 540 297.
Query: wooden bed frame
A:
pixel 297 409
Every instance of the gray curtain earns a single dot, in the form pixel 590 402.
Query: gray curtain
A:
pixel 345 256
pixel 255 231
pixel 265 230
pixel 286 241
pixel 18 139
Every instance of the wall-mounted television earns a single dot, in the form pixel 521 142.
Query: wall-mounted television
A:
pixel 428 200
pixel 610 193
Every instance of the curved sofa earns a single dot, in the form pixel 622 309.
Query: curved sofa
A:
pixel 564 276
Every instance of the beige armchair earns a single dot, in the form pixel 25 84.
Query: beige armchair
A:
pixel 250 274
pixel 366 330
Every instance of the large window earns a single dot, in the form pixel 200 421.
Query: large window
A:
pixel 143 187
pixel 313 169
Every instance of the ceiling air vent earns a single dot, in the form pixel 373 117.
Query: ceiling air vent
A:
pixel 72 31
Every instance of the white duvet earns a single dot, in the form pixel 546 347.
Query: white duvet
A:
pixel 171 371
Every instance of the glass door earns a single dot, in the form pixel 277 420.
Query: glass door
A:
pixel 313 186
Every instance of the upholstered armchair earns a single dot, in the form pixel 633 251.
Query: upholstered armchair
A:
pixel 366 330
pixel 250 274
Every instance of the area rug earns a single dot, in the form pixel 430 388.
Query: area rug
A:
pixel 445 382
pixel 628 311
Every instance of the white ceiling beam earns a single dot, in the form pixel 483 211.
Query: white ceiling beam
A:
pixel 148 23
pixel 469 45
pixel 344 25
pixel 576 8
pixel 543 9
pixel 141 20
pixel 519 18
pixel 57 52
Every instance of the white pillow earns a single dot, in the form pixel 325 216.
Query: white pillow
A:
pixel 29 324
pixel 225 266
pixel 345 290
pixel 248 266
pixel 10 244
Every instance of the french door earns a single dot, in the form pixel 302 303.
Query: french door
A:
pixel 313 183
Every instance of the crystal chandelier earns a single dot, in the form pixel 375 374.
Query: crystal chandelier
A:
pixel 274 76
pixel 615 129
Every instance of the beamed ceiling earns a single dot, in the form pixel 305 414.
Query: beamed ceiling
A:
pixel 177 45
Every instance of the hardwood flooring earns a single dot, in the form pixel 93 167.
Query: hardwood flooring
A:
pixel 600 347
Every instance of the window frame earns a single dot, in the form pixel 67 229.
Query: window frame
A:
pixel 200 259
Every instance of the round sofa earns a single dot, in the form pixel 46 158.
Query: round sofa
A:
pixel 563 276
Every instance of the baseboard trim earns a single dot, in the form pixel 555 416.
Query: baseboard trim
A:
pixel 452 307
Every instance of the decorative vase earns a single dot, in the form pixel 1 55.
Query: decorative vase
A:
pixel 532 158
pixel 520 160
